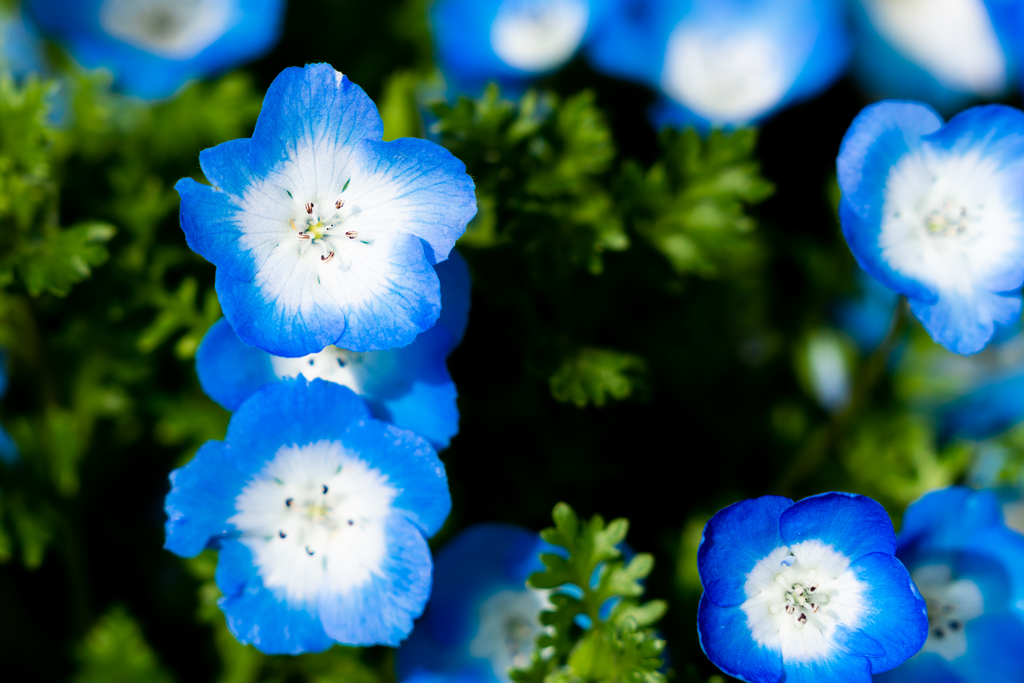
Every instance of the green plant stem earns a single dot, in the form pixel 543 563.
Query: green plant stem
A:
pixel 824 438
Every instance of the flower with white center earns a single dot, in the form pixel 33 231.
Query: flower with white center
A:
pixel 934 211
pixel 320 514
pixel 154 46
pixel 482 618
pixel 409 386
pixel 970 569
pixel 806 591
pixel 322 233
pixel 725 62
pixel 509 41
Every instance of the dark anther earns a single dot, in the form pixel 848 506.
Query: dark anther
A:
pixel 814 608
pixel 790 609
pixel 325 489
pixel 340 203
pixel 327 259
pixel 288 503
pixel 938 633
pixel 954 625
pixel 304 236
pixel 309 207
pixel 281 534
pixel 352 234
pixel 350 522
pixel 812 588
pixel 308 551
pixel 802 619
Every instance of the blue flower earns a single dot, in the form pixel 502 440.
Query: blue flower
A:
pixel 970 569
pixel 321 233
pixel 934 212
pixel 510 41
pixel 867 316
pixel 154 46
pixel 945 52
pixel 320 514
pixel 724 62
pixel 409 387
pixel 20 50
pixel 482 617
pixel 809 591
pixel 8 449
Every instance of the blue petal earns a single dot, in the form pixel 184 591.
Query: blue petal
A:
pixel 726 640
pixel 209 220
pixel 895 614
pixel 631 44
pixel 734 541
pixel 202 498
pixel 923 668
pixel 308 129
pixel 229 370
pixel 965 325
pixel 462 38
pixel 985 412
pixel 853 524
pixel 256 616
pixel 226 166
pixel 412 186
pixel 381 612
pixel 993 649
pixel 8 449
pixel 455 294
pixel 839 669
pixel 412 467
pixel 383 300
pixel 947 519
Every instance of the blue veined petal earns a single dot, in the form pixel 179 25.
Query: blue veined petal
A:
pixel 734 540
pixel 230 370
pixel 259 618
pixel 947 519
pixel 853 524
pixel 965 324
pixel 455 294
pixel 279 414
pixel 993 649
pixel 381 611
pixel 209 219
pixel 927 667
pixel 294 307
pixel 226 166
pixel 725 638
pixel 412 467
pixel 308 129
pixel 840 669
pixel 202 499
pixel 411 186
pixel 985 412
pixel 895 615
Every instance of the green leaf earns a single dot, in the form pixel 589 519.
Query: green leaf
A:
pixel 57 258
pixel 592 376
pixel 115 651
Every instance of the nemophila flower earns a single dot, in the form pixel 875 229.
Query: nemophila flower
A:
pixel 482 618
pixel 321 233
pixel 934 211
pixel 320 514
pixel 944 52
pixel 970 569
pixel 806 591
pixel 21 53
pixel 153 47
pixel 409 386
pixel 724 62
pixel 8 449
pixel 510 41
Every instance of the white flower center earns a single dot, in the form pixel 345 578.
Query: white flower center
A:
pixel 172 29
pixel 538 35
pixel 951 604
pixel 797 596
pixel 946 220
pixel 952 39
pixel 509 626
pixel 726 78
pixel 333 364
pixel 314 518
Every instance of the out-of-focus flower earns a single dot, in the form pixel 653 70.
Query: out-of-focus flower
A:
pixel 970 569
pixel 809 591
pixel 482 618
pixel 154 46
pixel 824 361
pixel 944 52
pixel 933 211
pixel 320 514
pixel 321 233
pixel 509 41
pixel 867 316
pixel 409 387
pixel 21 53
pixel 8 449
pixel 724 62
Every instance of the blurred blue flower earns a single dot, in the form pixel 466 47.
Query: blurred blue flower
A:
pixel 970 569
pixel 509 41
pixel 807 592
pixel 409 387
pixel 320 514
pixel 867 316
pixel 934 212
pixel 482 618
pixel 154 46
pixel 944 52
pixel 724 62
pixel 321 233
pixel 8 449
pixel 21 51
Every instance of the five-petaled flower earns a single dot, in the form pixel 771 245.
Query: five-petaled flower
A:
pixel 808 591
pixel 320 514
pixel 970 569
pixel 409 387
pixel 934 211
pixel 321 232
